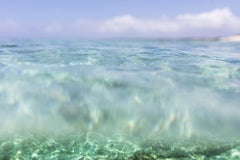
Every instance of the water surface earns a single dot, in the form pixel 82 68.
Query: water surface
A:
pixel 122 99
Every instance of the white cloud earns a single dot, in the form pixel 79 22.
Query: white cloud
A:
pixel 9 24
pixel 9 28
pixel 218 19
pixel 215 19
pixel 53 28
pixel 212 23
pixel 128 22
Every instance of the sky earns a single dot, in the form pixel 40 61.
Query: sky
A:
pixel 118 18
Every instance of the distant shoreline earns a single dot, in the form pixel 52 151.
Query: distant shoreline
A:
pixel 234 38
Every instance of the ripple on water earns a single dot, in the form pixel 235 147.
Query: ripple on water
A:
pixel 117 99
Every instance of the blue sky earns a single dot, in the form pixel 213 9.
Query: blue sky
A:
pixel 123 18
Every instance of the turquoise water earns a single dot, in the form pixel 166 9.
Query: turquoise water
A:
pixel 119 99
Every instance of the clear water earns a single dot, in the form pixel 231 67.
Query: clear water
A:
pixel 119 99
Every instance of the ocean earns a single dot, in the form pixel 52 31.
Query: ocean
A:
pixel 119 99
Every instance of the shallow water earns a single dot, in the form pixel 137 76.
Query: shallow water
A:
pixel 119 99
